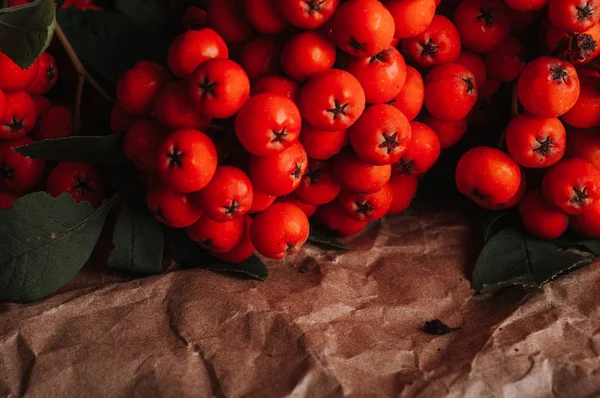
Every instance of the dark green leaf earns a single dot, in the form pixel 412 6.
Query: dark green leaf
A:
pixel 324 237
pixel 511 257
pixel 495 222
pixel 571 240
pixel 26 31
pixel 103 150
pixel 45 242
pixel 150 14
pixel 138 241
pixel 110 43
pixel 187 253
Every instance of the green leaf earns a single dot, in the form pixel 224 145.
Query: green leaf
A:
pixel 138 241
pixel 511 257
pixel 104 150
pixel 187 253
pixel 45 242
pixel 110 42
pixel 571 240
pixel 496 221
pixel 320 235
pixel 150 14
pixel 26 31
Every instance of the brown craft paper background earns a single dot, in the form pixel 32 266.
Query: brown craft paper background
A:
pixel 349 326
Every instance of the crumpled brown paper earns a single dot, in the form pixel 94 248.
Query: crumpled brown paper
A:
pixel 349 326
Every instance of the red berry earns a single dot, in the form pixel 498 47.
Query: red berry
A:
pixel 526 5
pixel 540 219
pixel 411 17
pixel 318 186
pixel 12 77
pixel 366 206
pixel 548 87
pixel 7 199
pixel 410 99
pixel 193 18
pixel 175 111
pixel 536 142
pixel 18 173
pixel 584 144
pixel 264 15
pixel 336 219
pixel 169 207
pixel 474 63
pixel 572 185
pixel 281 173
pixel 142 143
pixel 575 16
pixel 322 145
pixel 192 48
pixel 577 48
pixel 505 62
pixel 439 44
pixel 332 100
pixel 56 122
pixel 381 135
pixel 46 76
pixel 307 209
pixel 219 237
pixel 448 132
pixel 515 199
pixel 482 24
pixel 228 195
pixel 260 201
pixel 307 14
pixel 588 223
pixel 279 231
pixel 423 151
pixel 243 251
pixel 450 92
pixel 355 175
pixel 382 76
pixel 307 54
pixel 187 160
pixel 586 111
pixel 489 88
pixel 488 176
pixel 267 124
pixel 228 19
pixel 138 88
pixel 260 57
pixel 219 88
pixel 82 180
pixel 20 116
pixel 277 85
pixel 120 120
pixel 403 188
pixel 42 104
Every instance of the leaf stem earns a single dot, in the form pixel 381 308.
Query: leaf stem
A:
pixel 77 108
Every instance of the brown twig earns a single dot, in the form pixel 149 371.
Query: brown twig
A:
pixel 4 4
pixel 77 108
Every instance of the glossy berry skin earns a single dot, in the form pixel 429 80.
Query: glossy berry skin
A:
pixel 169 207
pixel 228 19
pixel 192 48
pixel 42 104
pixel 307 54
pixel 267 124
pixel 515 199
pixel 193 18
pixel 574 16
pixel 142 143
pixel 548 87
pixel 448 132
pixel 540 219
pixel 318 185
pixel 332 100
pixel 482 24
pixel 450 92
pixel 20 116
pixel 404 189
pixel 336 219
pixel 586 111
pixel 187 160
pixel 7 199
pixel 588 223
pixel 536 142
pixel 306 208
pixel 264 15
pixel 281 173
pixel 228 195
pixel 475 64
pixel 219 237
pixel 175 111
pixel 382 76
pixel 260 201
pixel 363 28
pixel 277 85
pixel 411 17
pixel 279 231
pixel 307 14
pixel 381 135
pixel 46 76
pixel 422 153
pixel 505 62
pixel 577 48
pixel 572 185
pixel 243 251
pixel 355 175
pixel 584 144
pixel 322 145
pixel 138 88
pixel 120 120
pixel 260 57
pixel 56 122
pixel 219 87
pixel 12 77
pixel 526 5
pixel 366 206
pixel 410 99
pixel 18 173
pixel 439 44
pixel 487 176
pixel 82 180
